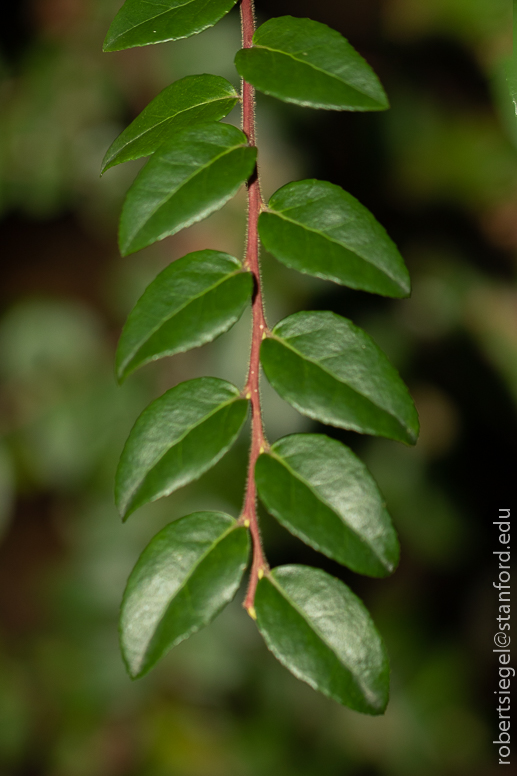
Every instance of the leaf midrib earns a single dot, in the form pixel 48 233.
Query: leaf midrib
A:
pixel 323 500
pixel 318 69
pixel 182 307
pixel 183 183
pixel 315 629
pixel 179 440
pixel 334 377
pixel 332 240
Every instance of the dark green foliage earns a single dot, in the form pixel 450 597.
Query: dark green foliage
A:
pixel 305 62
pixel 177 438
pixel 332 371
pixel 321 631
pixel 318 489
pixel 191 100
pixel 321 363
pixel 166 602
pixel 317 228
pixel 192 174
pixel 191 302
pixel 140 22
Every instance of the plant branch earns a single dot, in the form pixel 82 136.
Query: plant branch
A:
pixel 259 327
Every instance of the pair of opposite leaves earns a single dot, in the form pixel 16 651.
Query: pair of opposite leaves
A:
pixel 296 60
pixel 319 229
pixel 313 485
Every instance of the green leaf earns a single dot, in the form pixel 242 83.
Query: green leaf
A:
pixel 176 439
pixel 317 228
pixel 191 302
pixel 191 100
pixel 332 371
pixel 321 492
pixel 182 580
pixel 139 23
pixel 190 176
pixel 308 63
pixel 318 629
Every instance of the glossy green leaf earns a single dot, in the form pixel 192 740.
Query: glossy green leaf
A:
pixel 321 492
pixel 182 580
pixel 318 629
pixel 308 63
pixel 176 439
pixel 139 23
pixel 191 302
pixel 191 100
pixel 332 371
pixel 190 176
pixel 317 228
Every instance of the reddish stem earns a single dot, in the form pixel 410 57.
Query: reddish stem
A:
pixel 251 262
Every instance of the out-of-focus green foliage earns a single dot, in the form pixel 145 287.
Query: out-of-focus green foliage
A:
pixel 220 706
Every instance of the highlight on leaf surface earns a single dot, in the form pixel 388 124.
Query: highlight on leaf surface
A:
pixel 191 100
pixel 310 64
pixel 318 228
pixel 190 303
pixel 320 491
pixel 156 21
pixel 318 629
pixel 184 577
pixel 189 177
pixel 176 439
pixel 332 371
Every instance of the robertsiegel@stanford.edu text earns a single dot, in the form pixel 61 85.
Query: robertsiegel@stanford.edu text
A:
pixel 502 637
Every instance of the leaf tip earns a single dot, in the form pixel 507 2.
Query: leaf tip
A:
pixel 121 372
pixel 107 46
pixel 125 247
pixel 136 670
pixel 133 675
pixel 384 104
pixel 252 613
pixel 124 510
pixel 413 432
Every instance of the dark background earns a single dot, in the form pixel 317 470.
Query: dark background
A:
pixel 439 170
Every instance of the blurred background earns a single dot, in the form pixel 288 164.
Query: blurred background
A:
pixel 439 170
